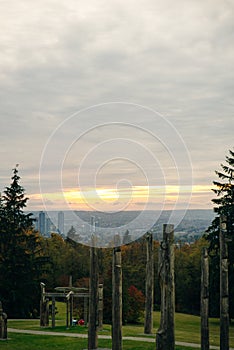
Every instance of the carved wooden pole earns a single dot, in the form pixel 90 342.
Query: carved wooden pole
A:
pixel 117 299
pixel 224 295
pixel 71 309
pixel 70 281
pixel 42 301
pixel 165 337
pixel 149 285
pixel 100 306
pixel 44 308
pixel 67 313
pixel 3 323
pixel 93 301
pixel 204 300
pixel 85 310
pixel 53 312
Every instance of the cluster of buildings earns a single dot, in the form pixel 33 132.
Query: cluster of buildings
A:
pixel 46 226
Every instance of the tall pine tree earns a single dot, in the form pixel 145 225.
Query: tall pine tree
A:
pixel 19 251
pixel 224 205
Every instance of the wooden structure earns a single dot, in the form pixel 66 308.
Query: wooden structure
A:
pixel 3 323
pixel 117 296
pixel 93 301
pixel 224 293
pixel 204 300
pixel 44 307
pixel 149 285
pixel 165 337
pixel 67 294
pixel 100 307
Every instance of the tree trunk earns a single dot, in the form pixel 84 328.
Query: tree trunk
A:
pixel 224 295
pixel 165 337
pixel 93 301
pixel 204 300
pixel 149 286
pixel 117 300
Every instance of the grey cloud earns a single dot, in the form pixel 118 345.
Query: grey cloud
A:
pixel 176 58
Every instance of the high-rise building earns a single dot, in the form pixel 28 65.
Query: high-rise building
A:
pixel 49 226
pixel 93 224
pixel 61 222
pixel 36 223
pixel 42 223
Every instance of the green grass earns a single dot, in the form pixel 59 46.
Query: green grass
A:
pixel 187 329
pixel 43 342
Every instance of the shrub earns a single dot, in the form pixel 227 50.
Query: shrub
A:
pixel 135 303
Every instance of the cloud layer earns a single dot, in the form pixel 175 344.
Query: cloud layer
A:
pixel 59 57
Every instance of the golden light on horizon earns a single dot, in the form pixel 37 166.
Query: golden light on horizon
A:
pixel 102 197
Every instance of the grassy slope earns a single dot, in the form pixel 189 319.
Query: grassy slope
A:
pixel 187 329
pixel 32 342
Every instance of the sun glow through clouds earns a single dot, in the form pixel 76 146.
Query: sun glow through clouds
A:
pixel 135 197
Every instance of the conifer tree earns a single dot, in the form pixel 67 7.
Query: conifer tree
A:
pixel 224 205
pixel 15 201
pixel 19 250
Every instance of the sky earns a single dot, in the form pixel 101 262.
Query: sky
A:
pixel 116 105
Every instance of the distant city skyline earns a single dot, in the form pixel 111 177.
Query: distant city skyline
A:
pixel 45 224
pixel 82 225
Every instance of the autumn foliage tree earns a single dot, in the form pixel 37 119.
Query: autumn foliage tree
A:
pixel 135 305
pixel 67 258
pixel 188 277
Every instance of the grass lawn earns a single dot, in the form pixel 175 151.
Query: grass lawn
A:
pixel 43 342
pixel 187 329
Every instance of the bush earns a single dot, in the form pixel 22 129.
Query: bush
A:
pixel 135 303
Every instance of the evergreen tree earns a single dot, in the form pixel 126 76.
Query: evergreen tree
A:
pixel 19 252
pixel 14 201
pixel 224 205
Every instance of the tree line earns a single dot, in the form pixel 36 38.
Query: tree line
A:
pixel 27 258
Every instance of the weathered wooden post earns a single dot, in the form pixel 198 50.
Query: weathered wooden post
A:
pixel 44 308
pixel 53 312
pixel 71 308
pixel 100 306
pixel 85 310
pixel 93 300
pixel 70 302
pixel 117 296
pixel 165 337
pixel 149 285
pixel 3 323
pixel 204 300
pixel 67 313
pixel 224 293
pixel 70 281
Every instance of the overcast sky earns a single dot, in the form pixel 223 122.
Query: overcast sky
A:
pixel 169 64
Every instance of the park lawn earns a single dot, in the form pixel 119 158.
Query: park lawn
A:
pixel 187 327
pixel 43 342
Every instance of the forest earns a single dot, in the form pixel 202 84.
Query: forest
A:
pixel 27 258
